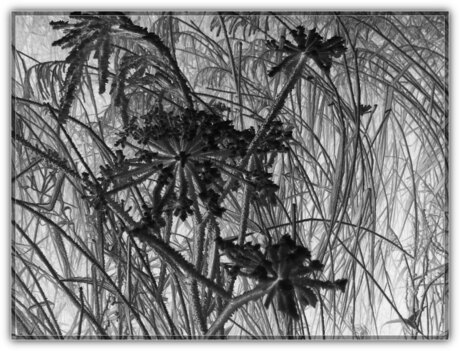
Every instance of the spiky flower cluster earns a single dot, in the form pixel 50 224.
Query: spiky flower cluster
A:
pixel 189 153
pixel 321 51
pixel 284 269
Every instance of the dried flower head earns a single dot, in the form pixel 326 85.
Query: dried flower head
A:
pixel 285 269
pixel 189 153
pixel 321 51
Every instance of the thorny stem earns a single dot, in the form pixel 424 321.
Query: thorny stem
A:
pixel 213 262
pixel 177 261
pixel 247 194
pixel 166 237
pixel 199 245
pixel 196 306
pixel 274 111
pixel 276 108
pixel 72 144
pixel 57 162
pixel 200 234
pixel 156 289
pixel 235 304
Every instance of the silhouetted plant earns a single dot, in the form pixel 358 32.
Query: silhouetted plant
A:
pixel 312 45
pixel 189 153
pixel 281 271
pixel 193 155
pixel 181 166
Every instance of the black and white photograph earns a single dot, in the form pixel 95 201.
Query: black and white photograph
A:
pixel 229 175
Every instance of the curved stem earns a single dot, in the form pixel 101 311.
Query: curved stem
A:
pixel 234 304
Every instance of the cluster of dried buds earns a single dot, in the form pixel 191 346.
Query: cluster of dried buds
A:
pixel 285 269
pixel 191 152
